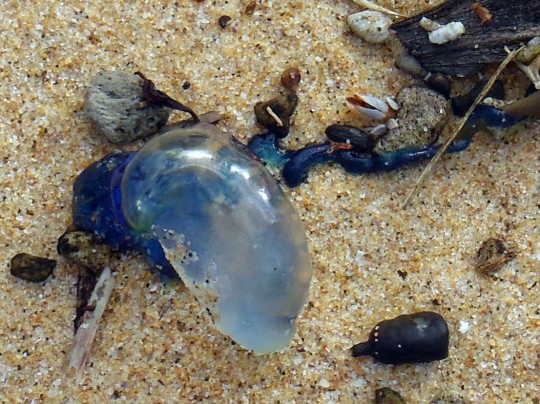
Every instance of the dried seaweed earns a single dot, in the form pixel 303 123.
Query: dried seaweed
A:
pixel 512 24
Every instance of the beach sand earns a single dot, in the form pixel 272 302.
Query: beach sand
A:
pixel 373 260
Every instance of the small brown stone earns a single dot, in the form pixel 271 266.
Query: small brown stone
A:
pixel 31 268
pixel 290 79
pixel 224 21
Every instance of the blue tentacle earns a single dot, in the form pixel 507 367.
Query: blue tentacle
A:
pixel 296 164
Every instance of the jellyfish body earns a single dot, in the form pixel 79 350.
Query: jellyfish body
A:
pixel 224 225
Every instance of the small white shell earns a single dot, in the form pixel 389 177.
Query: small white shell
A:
pixel 392 103
pixel 369 106
pixel 378 131
pixel 392 124
pixel 371 26
pixel 447 33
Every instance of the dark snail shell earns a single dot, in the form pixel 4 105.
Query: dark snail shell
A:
pixel 409 338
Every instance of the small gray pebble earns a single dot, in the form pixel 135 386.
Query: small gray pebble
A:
pixel 31 268
pixel 116 108
pixel 421 117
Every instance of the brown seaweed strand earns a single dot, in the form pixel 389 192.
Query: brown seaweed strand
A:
pixel 157 97
pixel 462 122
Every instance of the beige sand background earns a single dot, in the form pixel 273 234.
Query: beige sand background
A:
pixel 155 343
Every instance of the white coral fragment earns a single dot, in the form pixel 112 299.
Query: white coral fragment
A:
pixel 440 34
pixel 371 26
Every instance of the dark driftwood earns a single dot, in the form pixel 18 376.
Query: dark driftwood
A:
pixel 513 23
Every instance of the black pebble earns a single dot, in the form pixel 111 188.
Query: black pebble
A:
pixel 359 140
pixel 224 21
pixel 31 268
pixel 410 338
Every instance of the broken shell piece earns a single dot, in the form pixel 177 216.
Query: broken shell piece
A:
pixel 532 71
pixel 371 26
pixel 80 352
pixel 429 25
pixel 528 60
pixel 447 33
pixel 370 106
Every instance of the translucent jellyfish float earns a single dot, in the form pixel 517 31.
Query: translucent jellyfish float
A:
pixel 197 204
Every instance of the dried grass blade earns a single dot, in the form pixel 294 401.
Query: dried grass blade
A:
pixel 371 6
pixel 460 126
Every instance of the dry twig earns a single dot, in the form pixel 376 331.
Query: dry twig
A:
pixel 80 352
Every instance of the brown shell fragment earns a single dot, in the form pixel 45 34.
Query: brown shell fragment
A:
pixel 512 23
pixel 492 255
pixel 482 13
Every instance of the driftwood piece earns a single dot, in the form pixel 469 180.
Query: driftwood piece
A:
pixel 512 24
